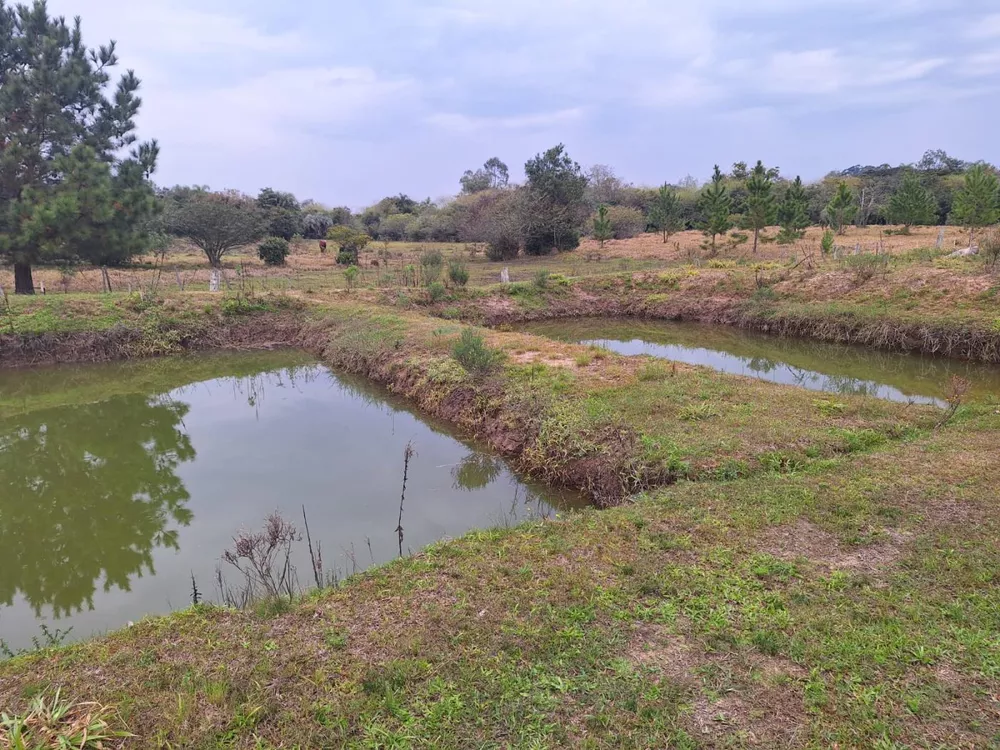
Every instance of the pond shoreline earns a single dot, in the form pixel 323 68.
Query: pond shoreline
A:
pixel 665 297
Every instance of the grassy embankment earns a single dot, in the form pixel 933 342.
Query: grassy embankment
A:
pixel 832 582
pixel 942 306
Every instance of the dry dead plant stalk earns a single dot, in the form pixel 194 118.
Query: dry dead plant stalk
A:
pixel 958 387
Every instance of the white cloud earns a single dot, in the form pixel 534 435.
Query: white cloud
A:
pixel 459 123
pixel 987 27
pixel 981 64
pixel 277 108
pixel 828 71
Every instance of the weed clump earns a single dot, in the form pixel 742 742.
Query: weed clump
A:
pixel 57 723
pixel 866 267
pixel 474 355
pixel 431 265
pixel 458 273
pixel 437 291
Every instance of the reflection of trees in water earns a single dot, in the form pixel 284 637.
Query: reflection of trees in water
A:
pixel 253 388
pixel 88 492
pixel 760 364
pixel 476 471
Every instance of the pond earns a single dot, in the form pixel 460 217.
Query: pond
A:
pixel 818 366
pixel 122 482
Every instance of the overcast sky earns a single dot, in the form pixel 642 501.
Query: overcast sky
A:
pixel 346 102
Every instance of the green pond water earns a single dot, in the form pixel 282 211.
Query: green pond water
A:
pixel 119 482
pixel 818 366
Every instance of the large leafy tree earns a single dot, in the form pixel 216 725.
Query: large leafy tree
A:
pixel 761 209
pixel 912 203
pixel 69 187
pixel 977 203
pixel 840 207
pixel 664 213
pixel 215 222
pixel 793 215
pixel 716 204
pixel 554 205
pixel 282 213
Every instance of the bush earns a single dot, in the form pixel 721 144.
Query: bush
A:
pixel 431 263
pixel 351 275
pixel 826 244
pixel 866 267
pixel 543 241
pixel 626 222
pixel 346 258
pixel 458 273
pixel 471 352
pixel 542 279
pixel 437 291
pixel 503 247
pixel 273 251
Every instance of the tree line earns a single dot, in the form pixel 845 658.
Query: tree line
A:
pixel 76 186
pixel 558 202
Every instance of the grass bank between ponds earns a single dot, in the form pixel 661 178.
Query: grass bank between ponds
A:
pixel 915 309
pixel 569 415
pixel 851 603
pixel 609 425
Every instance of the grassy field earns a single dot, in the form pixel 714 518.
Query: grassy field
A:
pixel 384 264
pixel 792 572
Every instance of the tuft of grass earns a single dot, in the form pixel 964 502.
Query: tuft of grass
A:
pixel 56 723
pixel 698 412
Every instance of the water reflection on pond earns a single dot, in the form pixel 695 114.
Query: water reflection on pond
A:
pixel 818 366
pixel 119 482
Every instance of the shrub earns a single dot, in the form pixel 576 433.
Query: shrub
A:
pixel 503 247
pixel 626 222
pixel 273 251
pixel 541 279
pixel 826 244
pixel 437 291
pixel 866 267
pixel 431 263
pixel 351 275
pixel 350 241
pixel 473 354
pixel 543 241
pixel 458 273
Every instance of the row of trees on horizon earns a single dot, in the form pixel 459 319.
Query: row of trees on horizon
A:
pixel 558 202
pixel 76 185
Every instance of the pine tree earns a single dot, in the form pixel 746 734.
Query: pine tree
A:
pixel 716 203
pixel 760 203
pixel 912 204
pixel 602 225
pixel 977 202
pixel 664 214
pixel 62 138
pixel 840 207
pixel 792 214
